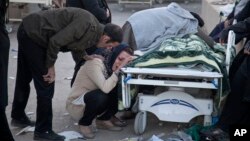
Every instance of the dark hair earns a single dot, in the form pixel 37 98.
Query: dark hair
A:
pixel 129 50
pixel 117 50
pixel 114 32
pixel 200 20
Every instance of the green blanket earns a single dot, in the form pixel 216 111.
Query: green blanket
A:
pixel 192 52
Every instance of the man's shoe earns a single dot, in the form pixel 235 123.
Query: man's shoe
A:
pixel 107 125
pixel 49 135
pixel 126 115
pixel 118 122
pixel 86 132
pixel 22 122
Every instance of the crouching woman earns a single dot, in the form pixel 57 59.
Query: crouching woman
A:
pixel 92 95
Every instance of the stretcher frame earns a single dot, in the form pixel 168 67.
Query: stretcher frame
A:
pixel 175 95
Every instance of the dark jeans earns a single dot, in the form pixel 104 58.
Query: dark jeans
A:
pixel 99 104
pixel 31 65
pixel 236 110
pixel 215 33
pixel 5 132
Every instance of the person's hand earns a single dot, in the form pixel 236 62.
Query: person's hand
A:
pixel 124 63
pixel 50 76
pixel 91 57
pixel 88 57
pixel 223 37
pixel 222 41
pixel 246 51
pixel 227 23
pixel 98 56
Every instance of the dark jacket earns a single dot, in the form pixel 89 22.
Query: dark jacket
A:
pixel 97 7
pixel 241 29
pixel 244 13
pixel 4 56
pixel 66 29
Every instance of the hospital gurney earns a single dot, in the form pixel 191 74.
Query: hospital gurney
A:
pixel 174 105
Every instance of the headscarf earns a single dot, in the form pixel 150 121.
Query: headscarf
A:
pixel 110 56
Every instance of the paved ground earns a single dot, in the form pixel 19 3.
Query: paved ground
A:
pixel 64 68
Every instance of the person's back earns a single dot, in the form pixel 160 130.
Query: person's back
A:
pixel 99 8
pixel 66 20
pixel 160 23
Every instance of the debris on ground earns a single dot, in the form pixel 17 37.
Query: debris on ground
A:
pixel 25 130
pixel 65 114
pixel 132 139
pixel 68 78
pixel 69 135
pixel 11 77
pixel 14 50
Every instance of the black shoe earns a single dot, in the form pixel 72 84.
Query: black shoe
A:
pixel 49 135
pixel 22 122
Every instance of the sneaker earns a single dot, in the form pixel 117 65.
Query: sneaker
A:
pixel 49 135
pixel 107 125
pixel 22 122
pixel 86 132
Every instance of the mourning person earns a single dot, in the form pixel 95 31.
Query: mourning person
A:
pixel 41 36
pixel 94 95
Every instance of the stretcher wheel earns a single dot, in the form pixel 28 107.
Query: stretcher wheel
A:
pixel 140 123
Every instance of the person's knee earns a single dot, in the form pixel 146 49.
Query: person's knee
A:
pixel 101 99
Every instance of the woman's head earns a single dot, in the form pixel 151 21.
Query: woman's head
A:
pixel 120 56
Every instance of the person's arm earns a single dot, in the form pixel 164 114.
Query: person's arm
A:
pixel 95 73
pixel 231 15
pixel 210 42
pixel 68 34
pixel 241 29
pixel 93 7
pixel 244 13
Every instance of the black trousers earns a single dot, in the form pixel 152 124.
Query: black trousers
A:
pixel 31 65
pixel 237 110
pixel 4 60
pixel 5 133
pixel 99 104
